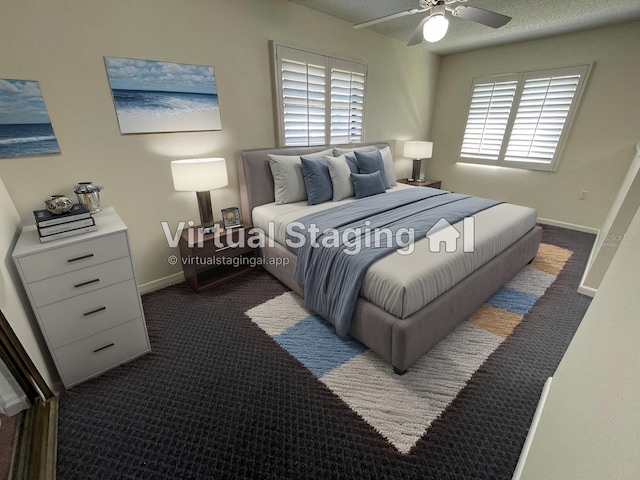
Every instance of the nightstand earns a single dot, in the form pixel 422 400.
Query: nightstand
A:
pixel 423 183
pixel 85 297
pixel 212 259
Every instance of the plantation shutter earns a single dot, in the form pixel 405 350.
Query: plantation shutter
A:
pixel 544 108
pixel 521 120
pixel 489 111
pixel 347 102
pixel 320 100
pixel 302 77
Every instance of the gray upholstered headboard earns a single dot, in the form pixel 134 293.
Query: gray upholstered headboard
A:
pixel 254 172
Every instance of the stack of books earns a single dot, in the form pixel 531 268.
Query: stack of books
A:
pixel 52 226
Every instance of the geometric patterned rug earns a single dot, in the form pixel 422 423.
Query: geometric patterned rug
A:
pixel 218 398
pixel 402 407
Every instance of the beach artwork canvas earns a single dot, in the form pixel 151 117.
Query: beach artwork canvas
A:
pixel 25 128
pixel 157 97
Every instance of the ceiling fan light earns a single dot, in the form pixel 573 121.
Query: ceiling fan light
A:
pixel 435 28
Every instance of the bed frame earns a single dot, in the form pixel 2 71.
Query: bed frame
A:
pixel 398 341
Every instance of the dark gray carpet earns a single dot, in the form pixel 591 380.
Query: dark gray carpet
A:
pixel 217 398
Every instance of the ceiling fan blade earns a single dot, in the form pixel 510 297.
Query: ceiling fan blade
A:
pixel 388 17
pixel 418 36
pixel 479 15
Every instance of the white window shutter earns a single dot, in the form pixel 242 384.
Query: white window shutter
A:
pixel 303 103
pixel 543 111
pixel 488 117
pixel 320 100
pixel 347 103
pixel 521 120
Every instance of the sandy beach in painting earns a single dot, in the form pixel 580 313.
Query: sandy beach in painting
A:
pixel 181 122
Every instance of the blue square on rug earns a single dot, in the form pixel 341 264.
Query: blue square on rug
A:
pixel 314 343
pixel 513 300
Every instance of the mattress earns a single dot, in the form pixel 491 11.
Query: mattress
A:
pixel 403 284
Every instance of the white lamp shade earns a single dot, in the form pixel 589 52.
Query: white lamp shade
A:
pixel 418 149
pixel 436 28
pixel 199 174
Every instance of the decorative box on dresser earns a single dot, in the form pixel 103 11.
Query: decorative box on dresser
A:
pixel 85 297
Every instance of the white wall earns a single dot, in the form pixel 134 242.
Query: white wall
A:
pixel 13 301
pixel 61 44
pixel 613 231
pixel 589 427
pixel 599 147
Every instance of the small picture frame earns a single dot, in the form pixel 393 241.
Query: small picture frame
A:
pixel 231 217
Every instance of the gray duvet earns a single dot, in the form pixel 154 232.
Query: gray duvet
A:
pixel 335 247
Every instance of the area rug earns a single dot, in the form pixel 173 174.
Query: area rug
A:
pixel 218 398
pixel 402 407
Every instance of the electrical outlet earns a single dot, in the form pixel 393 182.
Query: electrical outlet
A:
pixel 583 195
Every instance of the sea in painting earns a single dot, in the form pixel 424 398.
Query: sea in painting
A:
pixel 24 139
pixel 154 97
pixel 25 128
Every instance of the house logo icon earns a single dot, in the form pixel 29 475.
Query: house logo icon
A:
pixel 445 233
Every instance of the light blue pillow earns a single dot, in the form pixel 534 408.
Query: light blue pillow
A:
pixel 317 180
pixel 367 184
pixel 370 162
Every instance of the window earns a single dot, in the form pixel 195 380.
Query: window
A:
pixel 521 120
pixel 320 99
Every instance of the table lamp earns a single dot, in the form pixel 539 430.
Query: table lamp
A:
pixel 200 175
pixel 417 151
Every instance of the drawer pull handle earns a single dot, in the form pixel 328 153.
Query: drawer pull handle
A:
pixel 223 248
pixel 89 282
pixel 99 309
pixel 103 348
pixel 83 257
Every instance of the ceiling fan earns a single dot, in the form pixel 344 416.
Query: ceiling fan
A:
pixel 434 26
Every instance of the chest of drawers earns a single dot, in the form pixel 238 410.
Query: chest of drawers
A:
pixel 85 297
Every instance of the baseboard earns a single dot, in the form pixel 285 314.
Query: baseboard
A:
pixel 161 283
pixel 582 288
pixel 588 291
pixel 532 430
pixel 569 226
pixel 35 447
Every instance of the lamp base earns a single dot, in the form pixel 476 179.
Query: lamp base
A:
pixel 206 211
pixel 415 173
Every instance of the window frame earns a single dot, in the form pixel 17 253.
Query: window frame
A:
pixel 280 52
pixel 522 77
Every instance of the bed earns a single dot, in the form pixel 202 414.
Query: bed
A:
pixel 406 303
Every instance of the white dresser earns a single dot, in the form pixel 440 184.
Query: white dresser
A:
pixel 85 297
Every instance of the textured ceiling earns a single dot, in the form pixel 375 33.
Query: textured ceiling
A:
pixel 531 19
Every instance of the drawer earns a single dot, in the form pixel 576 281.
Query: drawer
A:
pixel 65 259
pixel 84 315
pixel 81 281
pixel 89 357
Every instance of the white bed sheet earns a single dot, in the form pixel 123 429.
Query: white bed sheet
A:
pixel 403 284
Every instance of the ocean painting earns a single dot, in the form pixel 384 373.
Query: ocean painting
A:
pixel 25 128
pixel 157 97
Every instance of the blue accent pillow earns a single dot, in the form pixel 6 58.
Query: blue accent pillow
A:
pixel 317 180
pixel 352 163
pixel 369 162
pixel 367 184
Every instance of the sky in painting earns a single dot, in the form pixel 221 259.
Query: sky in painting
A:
pixel 133 74
pixel 21 102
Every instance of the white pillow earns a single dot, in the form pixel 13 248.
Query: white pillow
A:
pixel 340 174
pixel 387 159
pixel 342 151
pixel 288 180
